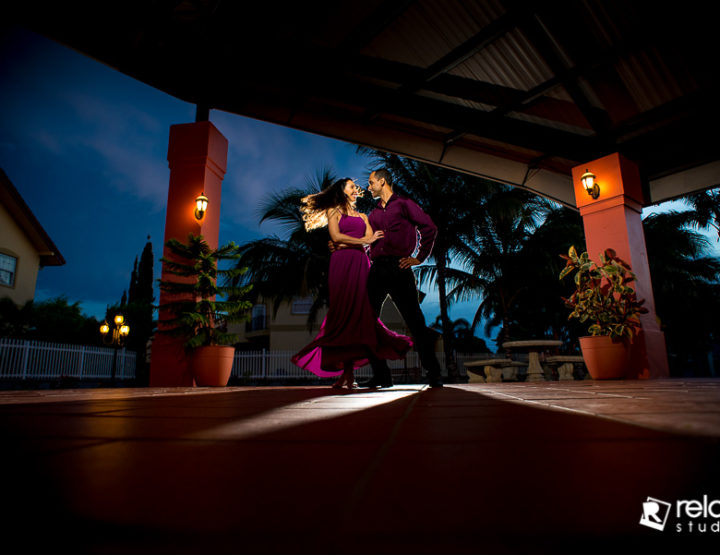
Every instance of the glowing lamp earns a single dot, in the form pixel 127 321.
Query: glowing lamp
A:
pixel 124 330
pixel 119 319
pixel 591 186
pixel 104 328
pixel 201 204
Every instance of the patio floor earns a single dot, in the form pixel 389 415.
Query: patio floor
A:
pixel 473 468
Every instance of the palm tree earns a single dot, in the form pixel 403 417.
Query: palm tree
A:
pixel 706 206
pixel 686 288
pixel 491 262
pixel 450 199
pixel 543 312
pixel 281 268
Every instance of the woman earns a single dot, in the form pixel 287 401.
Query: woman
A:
pixel 351 332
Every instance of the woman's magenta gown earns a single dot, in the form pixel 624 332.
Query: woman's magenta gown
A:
pixel 350 331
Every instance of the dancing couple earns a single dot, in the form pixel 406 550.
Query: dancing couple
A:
pixel 352 334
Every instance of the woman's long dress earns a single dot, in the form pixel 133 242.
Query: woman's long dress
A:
pixel 351 331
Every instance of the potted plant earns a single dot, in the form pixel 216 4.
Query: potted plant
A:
pixel 195 312
pixel 604 298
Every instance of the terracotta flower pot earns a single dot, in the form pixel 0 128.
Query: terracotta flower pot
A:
pixel 212 365
pixel 606 358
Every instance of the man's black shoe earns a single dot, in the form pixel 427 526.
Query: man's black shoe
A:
pixel 376 382
pixel 435 381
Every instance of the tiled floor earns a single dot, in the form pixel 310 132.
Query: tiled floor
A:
pixel 690 406
pixel 548 467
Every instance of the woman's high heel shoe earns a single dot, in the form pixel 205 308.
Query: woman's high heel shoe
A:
pixel 346 381
pixel 350 382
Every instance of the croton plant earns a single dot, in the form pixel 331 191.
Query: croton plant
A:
pixel 603 295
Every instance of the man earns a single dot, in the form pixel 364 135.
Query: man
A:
pixel 393 256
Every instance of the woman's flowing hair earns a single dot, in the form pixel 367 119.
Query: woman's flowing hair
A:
pixel 314 207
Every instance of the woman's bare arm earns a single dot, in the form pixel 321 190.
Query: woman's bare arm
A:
pixel 334 216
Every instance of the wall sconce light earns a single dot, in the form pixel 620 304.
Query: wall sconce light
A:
pixel 588 181
pixel 201 204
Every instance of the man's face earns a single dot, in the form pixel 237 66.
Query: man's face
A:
pixel 375 185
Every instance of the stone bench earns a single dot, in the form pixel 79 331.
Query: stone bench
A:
pixel 565 364
pixel 492 368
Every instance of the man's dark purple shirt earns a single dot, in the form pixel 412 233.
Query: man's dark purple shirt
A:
pixel 401 219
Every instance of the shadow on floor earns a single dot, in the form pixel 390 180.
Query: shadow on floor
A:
pixel 307 470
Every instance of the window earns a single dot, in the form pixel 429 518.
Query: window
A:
pixel 8 265
pixel 257 320
pixel 302 305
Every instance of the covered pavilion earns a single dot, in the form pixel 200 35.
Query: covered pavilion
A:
pixel 516 91
pixel 525 93
pixel 530 94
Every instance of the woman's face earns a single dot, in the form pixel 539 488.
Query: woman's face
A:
pixel 352 191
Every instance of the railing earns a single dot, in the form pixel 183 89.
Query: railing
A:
pixel 277 364
pixel 23 359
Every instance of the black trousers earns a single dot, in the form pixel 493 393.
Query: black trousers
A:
pixel 387 278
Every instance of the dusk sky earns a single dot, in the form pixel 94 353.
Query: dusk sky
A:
pixel 86 147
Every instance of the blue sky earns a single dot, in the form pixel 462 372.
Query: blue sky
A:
pixel 86 147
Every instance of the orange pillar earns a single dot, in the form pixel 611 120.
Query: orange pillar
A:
pixel 613 220
pixel 197 156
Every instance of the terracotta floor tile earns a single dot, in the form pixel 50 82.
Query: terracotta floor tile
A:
pixel 480 468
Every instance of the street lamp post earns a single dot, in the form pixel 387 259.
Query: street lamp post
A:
pixel 116 338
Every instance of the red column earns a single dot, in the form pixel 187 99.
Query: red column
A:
pixel 197 156
pixel 613 220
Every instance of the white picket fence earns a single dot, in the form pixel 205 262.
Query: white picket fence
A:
pixel 23 359
pixel 277 364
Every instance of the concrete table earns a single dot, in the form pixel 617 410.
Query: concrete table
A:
pixel 534 347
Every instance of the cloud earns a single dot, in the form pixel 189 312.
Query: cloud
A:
pixel 131 144
pixel 77 133
pixel 265 158
pixel 131 169
pixel 101 120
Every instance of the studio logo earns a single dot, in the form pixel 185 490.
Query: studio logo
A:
pixel 691 516
pixel 655 513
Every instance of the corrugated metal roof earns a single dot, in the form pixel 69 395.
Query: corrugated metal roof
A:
pixel 509 61
pixel 546 85
pixel 650 81
pixel 429 29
